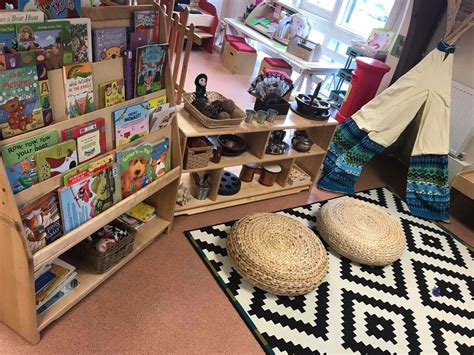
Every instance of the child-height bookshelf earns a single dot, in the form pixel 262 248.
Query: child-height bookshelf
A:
pixel 22 257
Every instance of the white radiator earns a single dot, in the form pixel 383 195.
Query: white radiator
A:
pixel 462 117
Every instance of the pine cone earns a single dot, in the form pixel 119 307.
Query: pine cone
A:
pixel 228 106
pixel 200 103
pixel 224 116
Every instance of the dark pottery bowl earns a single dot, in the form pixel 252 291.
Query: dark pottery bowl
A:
pixel 305 107
pixel 232 145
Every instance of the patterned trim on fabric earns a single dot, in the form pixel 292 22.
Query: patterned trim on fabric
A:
pixel 427 186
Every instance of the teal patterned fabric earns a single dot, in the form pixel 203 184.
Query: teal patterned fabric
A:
pixel 427 192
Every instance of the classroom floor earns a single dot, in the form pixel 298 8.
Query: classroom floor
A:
pixel 165 300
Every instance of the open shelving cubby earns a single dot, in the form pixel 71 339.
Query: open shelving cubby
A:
pixel 257 136
pixel 17 263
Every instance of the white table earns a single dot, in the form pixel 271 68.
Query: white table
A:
pixel 306 69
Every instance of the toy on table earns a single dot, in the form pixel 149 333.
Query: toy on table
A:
pixel 201 83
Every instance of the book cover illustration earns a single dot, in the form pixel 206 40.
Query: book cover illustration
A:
pixel 162 117
pixel 55 160
pixel 53 9
pixel 112 93
pixel 20 105
pixel 79 89
pixel 131 123
pixel 81 39
pixel 70 286
pixel 18 158
pixel 90 139
pixel 135 168
pixel 86 170
pixel 109 43
pixel 137 39
pixel 53 37
pixel 7 40
pixel 21 17
pixel 89 197
pixel 150 61
pixel 161 158
pixel 62 273
pixel 41 221
pixel 143 212
pixel 147 21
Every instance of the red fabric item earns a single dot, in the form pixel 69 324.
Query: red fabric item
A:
pixel 232 38
pixel 277 63
pixel 243 47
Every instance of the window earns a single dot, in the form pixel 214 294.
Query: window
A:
pixel 339 22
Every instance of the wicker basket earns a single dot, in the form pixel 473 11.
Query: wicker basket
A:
pixel 101 262
pixel 198 157
pixel 211 122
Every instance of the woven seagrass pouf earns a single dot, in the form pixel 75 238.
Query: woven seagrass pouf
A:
pixel 361 231
pixel 277 254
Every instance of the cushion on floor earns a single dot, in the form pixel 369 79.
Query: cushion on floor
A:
pixel 277 254
pixel 361 231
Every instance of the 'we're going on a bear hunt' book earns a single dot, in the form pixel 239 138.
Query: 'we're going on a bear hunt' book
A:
pixel 18 158
pixel 20 104
pixel 109 43
pixel 79 89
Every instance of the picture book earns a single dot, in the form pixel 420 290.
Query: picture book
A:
pixel 89 197
pixel 131 123
pixel 3 62
pixel 129 74
pixel 62 272
pixel 162 117
pixel 53 9
pixel 86 170
pixel 55 160
pixel 53 37
pixel 109 43
pixel 81 39
pixel 161 157
pixel 69 287
pixel 130 221
pixel 79 89
pixel 20 105
pixel 90 139
pixel 41 221
pixel 135 168
pixel 143 212
pixel 7 39
pixel 147 21
pixel 21 17
pixel 18 158
pixel 112 93
pixel 137 39
pixel 150 61
pixel 381 39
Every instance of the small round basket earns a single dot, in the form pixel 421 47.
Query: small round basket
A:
pixel 277 254
pixel 361 231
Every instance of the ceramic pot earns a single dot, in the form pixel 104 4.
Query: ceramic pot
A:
pixel 301 143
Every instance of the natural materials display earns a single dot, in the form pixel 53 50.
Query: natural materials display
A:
pixel 423 92
pixel 271 86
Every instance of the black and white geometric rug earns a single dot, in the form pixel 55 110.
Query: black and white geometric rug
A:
pixel 423 303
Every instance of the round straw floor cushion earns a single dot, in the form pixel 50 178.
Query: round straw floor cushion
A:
pixel 361 231
pixel 277 254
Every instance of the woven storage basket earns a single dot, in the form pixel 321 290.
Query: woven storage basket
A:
pixel 277 254
pixel 101 262
pixel 361 231
pixel 198 157
pixel 211 122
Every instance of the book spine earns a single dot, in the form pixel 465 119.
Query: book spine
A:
pixel 129 74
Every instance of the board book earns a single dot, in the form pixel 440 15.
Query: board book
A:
pixel 147 21
pixel 131 123
pixel 53 37
pixel 143 212
pixel 63 272
pixel 150 61
pixel 135 168
pixel 53 9
pixel 109 43
pixel 161 157
pixel 7 40
pixel 20 104
pixel 81 39
pixel 87 198
pixel 90 139
pixel 41 221
pixel 18 158
pixel 79 89
pixel 56 160
pixel 86 170
pixel 112 93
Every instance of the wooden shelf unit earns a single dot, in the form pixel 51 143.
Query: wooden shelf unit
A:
pixel 17 264
pixel 257 136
